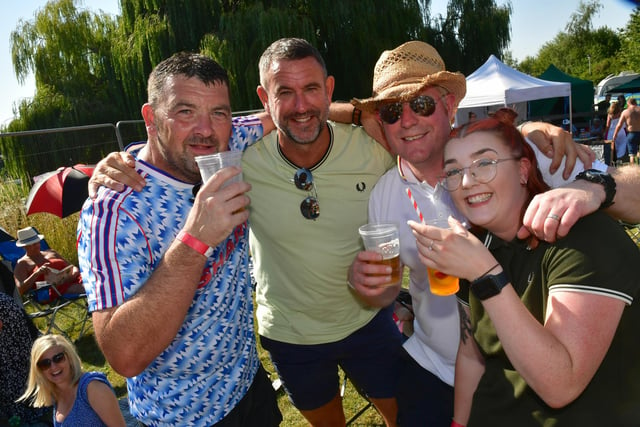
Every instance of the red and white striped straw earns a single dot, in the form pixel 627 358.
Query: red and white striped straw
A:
pixel 415 204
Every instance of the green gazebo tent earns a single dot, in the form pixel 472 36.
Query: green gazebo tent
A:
pixel 581 95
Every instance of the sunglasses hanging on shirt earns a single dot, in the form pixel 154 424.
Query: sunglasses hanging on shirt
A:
pixel 303 180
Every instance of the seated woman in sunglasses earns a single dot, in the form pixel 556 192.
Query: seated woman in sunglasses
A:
pixel 549 335
pixel 78 398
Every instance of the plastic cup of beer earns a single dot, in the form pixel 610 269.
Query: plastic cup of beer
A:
pixel 385 240
pixel 440 283
pixel 212 163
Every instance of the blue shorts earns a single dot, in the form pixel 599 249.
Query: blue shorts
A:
pixel 633 140
pixel 423 398
pixel 369 357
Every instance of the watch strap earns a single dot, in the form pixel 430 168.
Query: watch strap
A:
pixel 487 286
pixel 195 244
pixel 604 179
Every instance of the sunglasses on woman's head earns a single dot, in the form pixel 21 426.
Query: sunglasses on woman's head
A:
pixel 423 105
pixel 46 363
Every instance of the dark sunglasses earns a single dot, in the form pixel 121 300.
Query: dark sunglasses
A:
pixel 423 105
pixel 303 179
pixel 46 363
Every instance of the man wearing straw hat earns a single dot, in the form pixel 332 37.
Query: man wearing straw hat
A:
pixel 415 100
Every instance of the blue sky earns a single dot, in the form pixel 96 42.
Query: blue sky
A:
pixel 533 23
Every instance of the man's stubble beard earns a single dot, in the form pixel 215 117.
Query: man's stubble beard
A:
pixel 322 120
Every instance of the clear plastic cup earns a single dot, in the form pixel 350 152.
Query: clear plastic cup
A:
pixel 212 163
pixel 384 239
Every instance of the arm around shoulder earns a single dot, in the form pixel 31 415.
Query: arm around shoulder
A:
pixel 626 203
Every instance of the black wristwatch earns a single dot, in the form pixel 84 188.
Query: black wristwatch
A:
pixel 604 179
pixel 489 285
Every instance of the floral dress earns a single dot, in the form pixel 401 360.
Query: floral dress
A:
pixel 16 337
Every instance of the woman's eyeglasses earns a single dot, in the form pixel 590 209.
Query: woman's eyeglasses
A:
pixel 46 363
pixel 482 170
pixel 303 179
pixel 423 105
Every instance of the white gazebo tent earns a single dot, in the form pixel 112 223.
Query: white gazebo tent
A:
pixel 497 84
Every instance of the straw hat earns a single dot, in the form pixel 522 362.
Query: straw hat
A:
pixel 28 236
pixel 408 69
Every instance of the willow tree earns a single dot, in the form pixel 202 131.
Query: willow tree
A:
pixel 242 37
pixel 350 35
pixel 152 30
pixel 470 32
pixel 68 52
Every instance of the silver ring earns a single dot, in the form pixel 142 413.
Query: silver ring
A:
pixel 554 216
pixel 430 247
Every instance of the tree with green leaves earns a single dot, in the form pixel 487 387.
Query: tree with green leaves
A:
pixel 350 36
pixel 580 50
pixel 630 43
pixel 470 33
pixel 90 68
pixel 68 51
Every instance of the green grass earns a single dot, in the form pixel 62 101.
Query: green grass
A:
pixel 61 235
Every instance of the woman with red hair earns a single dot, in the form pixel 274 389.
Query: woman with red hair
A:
pixel 549 332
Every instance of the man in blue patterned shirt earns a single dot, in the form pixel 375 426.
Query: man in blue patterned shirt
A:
pixel 167 274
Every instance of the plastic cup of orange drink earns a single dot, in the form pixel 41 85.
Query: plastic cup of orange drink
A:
pixel 440 283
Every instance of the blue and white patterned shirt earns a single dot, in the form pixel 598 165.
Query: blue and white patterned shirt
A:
pixel 207 369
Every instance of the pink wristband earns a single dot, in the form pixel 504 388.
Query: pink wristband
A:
pixel 455 424
pixel 195 244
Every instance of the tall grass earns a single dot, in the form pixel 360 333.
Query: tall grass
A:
pixel 61 235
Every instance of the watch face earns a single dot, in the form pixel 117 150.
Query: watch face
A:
pixel 489 286
pixel 593 175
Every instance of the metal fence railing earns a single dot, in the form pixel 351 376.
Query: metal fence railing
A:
pixel 44 150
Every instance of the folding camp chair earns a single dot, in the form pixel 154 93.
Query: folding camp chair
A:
pixel 362 410
pixel 60 314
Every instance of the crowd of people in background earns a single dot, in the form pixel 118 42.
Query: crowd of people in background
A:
pixel 621 132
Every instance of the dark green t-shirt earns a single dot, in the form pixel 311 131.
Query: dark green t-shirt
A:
pixel 598 257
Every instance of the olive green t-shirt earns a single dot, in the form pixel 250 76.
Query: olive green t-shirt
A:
pixel 596 257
